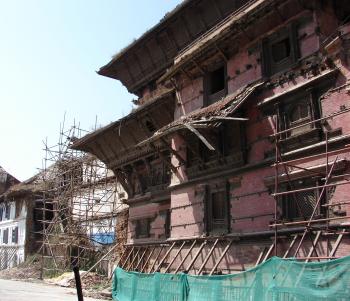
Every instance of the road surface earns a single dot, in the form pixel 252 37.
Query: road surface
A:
pixel 26 291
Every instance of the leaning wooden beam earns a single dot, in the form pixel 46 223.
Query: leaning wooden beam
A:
pixel 127 258
pixel 147 260
pixel 156 259
pixel 291 246
pixel 200 136
pixel 165 256
pixel 221 258
pixel 185 257
pixel 174 257
pixel 141 258
pixel 337 242
pixel 133 260
pixel 260 256
pixel 196 256
pixel 207 257
pixel 313 247
pixel 269 251
pixel 103 257
pixel 174 152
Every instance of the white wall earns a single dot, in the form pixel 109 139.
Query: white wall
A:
pixel 11 224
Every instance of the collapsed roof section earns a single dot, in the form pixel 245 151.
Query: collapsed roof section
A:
pixel 212 115
pixel 117 142
pixel 148 57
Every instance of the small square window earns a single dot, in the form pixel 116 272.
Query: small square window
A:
pixel 280 51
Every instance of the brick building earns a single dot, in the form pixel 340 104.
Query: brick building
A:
pixel 239 146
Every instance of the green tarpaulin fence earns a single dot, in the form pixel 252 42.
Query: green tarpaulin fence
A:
pixel 274 280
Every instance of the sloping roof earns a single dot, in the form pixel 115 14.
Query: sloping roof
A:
pixel 232 23
pixel 148 57
pixel 116 142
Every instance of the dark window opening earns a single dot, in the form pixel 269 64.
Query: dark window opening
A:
pixel 150 126
pixel 15 235
pixel 217 80
pixel 218 206
pixel 7 211
pixel 299 113
pixel 280 50
pixel 167 224
pixel 215 85
pixel 143 228
pixel 1 212
pixel 5 236
pixel 218 210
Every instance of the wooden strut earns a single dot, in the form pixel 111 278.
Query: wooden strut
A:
pixel 269 251
pixel 141 258
pixel 177 254
pixel 196 256
pixel 156 259
pixel 221 258
pixel 127 258
pixel 337 242
pixel 207 257
pixel 185 257
pixel 313 247
pixel 200 136
pixel 133 260
pixel 147 260
pixel 165 256
pixel 291 246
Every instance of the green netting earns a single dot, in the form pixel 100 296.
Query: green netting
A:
pixel 275 280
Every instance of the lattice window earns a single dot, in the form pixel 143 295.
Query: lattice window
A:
pixel 300 205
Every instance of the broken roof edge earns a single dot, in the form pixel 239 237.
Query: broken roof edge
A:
pixel 226 106
pixel 167 18
pixel 80 143
pixel 211 37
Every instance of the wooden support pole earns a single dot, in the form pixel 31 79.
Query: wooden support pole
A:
pixel 291 246
pixel 156 259
pixel 314 244
pixel 133 260
pixel 174 257
pixel 207 257
pixel 185 257
pixel 147 260
pixel 269 251
pixel 221 257
pixel 141 258
pixel 165 256
pixel 127 258
pixel 200 136
pixel 337 242
pixel 196 256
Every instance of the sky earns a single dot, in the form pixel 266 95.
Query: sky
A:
pixel 50 51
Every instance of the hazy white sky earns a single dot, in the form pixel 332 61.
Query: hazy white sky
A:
pixel 49 52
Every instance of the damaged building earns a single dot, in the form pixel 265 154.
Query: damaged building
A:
pixel 238 149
